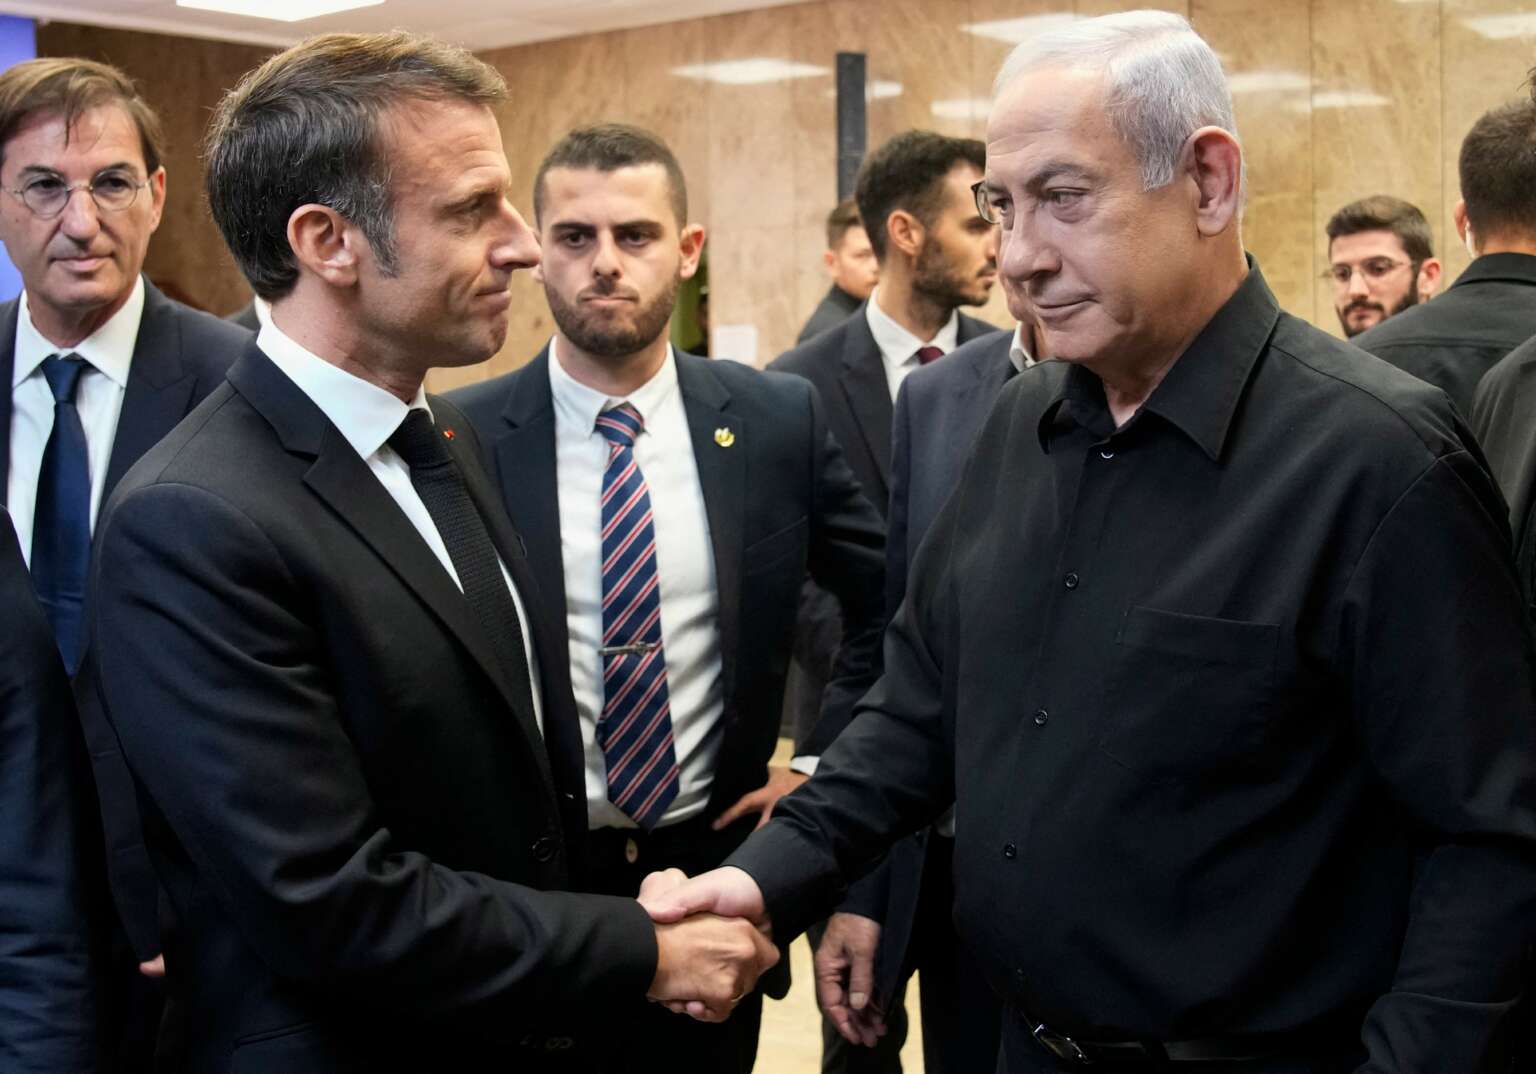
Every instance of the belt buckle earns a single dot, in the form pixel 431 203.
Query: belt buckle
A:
pixel 1059 1044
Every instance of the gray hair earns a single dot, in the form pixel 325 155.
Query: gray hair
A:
pixel 1165 82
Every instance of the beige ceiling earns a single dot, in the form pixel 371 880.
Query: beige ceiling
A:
pixel 477 24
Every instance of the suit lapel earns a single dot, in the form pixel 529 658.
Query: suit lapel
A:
pixel 525 469
pixel 869 397
pixel 722 467
pixel 8 314
pixel 346 485
pixel 159 388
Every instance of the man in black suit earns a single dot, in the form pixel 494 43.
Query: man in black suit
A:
pixel 1491 308
pixel 935 256
pixel 898 919
pixel 332 673
pixel 81 206
pixel 671 505
pixel 1217 645
pixel 850 261
pixel 50 891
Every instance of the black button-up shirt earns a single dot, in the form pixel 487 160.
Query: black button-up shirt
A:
pixel 1193 781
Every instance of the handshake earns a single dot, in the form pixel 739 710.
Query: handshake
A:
pixel 713 940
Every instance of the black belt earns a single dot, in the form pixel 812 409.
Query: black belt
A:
pixel 1238 1048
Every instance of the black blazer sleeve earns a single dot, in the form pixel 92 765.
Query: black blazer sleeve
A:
pixel 268 793
pixel 845 558
pixel 50 889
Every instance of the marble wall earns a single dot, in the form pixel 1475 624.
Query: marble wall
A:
pixel 1336 99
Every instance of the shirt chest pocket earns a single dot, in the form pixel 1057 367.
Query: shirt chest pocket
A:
pixel 1189 696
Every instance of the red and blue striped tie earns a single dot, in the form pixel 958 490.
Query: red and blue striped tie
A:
pixel 635 731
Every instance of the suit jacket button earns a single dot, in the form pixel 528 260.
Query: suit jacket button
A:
pixel 544 849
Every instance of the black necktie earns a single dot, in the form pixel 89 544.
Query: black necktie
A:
pixel 61 519
pixel 438 482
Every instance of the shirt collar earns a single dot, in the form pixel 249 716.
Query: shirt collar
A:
pixel 1200 392
pixel 365 414
pixel 579 405
pixel 1018 352
pixel 1508 266
pixel 897 345
pixel 109 349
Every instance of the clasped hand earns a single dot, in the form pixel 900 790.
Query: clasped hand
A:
pixel 712 940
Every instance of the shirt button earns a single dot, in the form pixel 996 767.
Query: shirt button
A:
pixel 1106 454
pixel 543 849
pixel 1071 580
pixel 1041 717
pixel 1010 851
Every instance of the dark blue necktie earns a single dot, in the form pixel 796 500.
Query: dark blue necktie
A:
pixel 635 731
pixel 61 521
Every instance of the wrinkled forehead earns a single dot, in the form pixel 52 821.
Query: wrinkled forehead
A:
pixel 1055 115
pixel 98 136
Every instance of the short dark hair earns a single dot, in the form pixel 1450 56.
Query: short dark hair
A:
pixel 1383 212
pixel 1498 170
pixel 841 220
pixel 70 87
pixel 907 173
pixel 306 127
pixel 607 147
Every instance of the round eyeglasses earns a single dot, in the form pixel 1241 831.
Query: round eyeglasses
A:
pixel 47 195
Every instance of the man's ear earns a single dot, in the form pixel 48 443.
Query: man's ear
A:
pixel 156 198
pixel 691 244
pixel 904 232
pixel 325 243
pixel 1214 161
pixel 1429 279
pixel 1464 226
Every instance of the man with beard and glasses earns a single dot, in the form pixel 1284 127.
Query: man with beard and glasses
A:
pixel 935 255
pixel 1381 260
pixel 671 505
pixel 1491 308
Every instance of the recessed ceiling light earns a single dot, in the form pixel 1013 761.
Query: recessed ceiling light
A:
pixel 751 72
pixel 1503 27
pixel 280 10
pixel 961 108
pixel 1348 99
pixel 1017 31
pixel 1267 82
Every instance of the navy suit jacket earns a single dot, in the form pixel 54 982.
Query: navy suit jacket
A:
pixel 179 357
pixel 50 856
pixel 780 499
pixel 357 819
pixel 939 411
pixel 845 365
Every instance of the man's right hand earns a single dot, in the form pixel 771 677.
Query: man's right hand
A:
pixel 845 977
pixel 705 964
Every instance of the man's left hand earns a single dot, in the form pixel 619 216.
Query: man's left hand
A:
pixel 780 782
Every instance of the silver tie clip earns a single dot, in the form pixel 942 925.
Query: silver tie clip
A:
pixel 634 648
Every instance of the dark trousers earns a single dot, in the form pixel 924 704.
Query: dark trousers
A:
pixel 961 1013
pixel 647 1037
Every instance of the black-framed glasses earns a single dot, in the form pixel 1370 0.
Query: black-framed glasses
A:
pixel 984 207
pixel 1372 268
pixel 113 191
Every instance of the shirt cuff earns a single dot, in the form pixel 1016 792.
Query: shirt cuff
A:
pixel 805 765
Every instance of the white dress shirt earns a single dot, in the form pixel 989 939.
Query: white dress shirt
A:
pixel 108 352
pixel 685 563
pixel 367 416
pixel 898 347
pixel 1018 353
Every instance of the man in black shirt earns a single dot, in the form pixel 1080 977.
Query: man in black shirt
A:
pixel 1491 309
pixel 1217 645
pixel 850 261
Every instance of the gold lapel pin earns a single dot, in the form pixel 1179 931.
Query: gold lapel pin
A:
pixel 724 437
